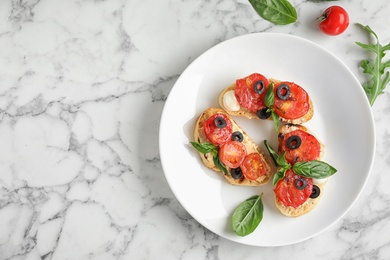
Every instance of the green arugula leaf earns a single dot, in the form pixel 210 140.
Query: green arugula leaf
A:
pixel 248 215
pixel 314 169
pixel 279 12
pixel 379 79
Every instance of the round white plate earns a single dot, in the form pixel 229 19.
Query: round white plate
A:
pixel 342 120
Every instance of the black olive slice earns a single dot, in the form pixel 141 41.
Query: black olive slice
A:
pixel 219 122
pixel 259 87
pixel 236 173
pixel 237 136
pixel 263 113
pixel 283 91
pixel 293 142
pixel 300 183
pixel 315 192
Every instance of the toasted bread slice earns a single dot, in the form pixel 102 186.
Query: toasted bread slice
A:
pixel 309 203
pixel 250 114
pixel 302 209
pixel 250 145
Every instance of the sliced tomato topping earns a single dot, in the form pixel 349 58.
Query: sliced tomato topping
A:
pixel 232 154
pixel 309 148
pixel 295 105
pixel 253 166
pixel 250 91
pixel 218 129
pixel 293 190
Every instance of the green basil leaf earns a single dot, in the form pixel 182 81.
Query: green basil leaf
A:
pixel 314 169
pixel 275 118
pixel 279 12
pixel 248 215
pixel 220 164
pixel 205 147
pixel 279 160
pixel 269 96
pixel 279 175
pixel 274 155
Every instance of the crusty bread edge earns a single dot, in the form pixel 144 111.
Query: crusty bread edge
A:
pixel 306 207
pixel 242 112
pixel 207 158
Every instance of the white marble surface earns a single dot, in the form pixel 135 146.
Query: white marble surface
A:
pixel 82 88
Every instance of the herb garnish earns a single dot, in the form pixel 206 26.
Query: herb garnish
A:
pixel 269 99
pixel 311 169
pixel 248 215
pixel 211 148
pixel 379 80
pixel 279 12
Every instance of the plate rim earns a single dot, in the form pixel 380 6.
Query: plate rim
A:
pixel 260 34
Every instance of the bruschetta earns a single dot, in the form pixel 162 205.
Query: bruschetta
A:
pixel 245 98
pixel 225 147
pixel 296 195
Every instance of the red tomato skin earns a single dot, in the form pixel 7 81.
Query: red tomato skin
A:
pixel 232 154
pixel 246 95
pixel 253 166
pixel 288 194
pixel 334 20
pixel 215 135
pixel 310 148
pixel 295 106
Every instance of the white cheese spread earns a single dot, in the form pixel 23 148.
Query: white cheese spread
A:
pixel 230 101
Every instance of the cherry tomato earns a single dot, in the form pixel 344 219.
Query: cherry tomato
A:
pixel 232 154
pixel 309 148
pixel 296 103
pixel 253 166
pixel 334 20
pixel 215 131
pixel 250 91
pixel 293 190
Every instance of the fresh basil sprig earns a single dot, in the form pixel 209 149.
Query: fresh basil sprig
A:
pixel 269 99
pixel 379 79
pixel 248 215
pixel 312 169
pixel 279 12
pixel 211 148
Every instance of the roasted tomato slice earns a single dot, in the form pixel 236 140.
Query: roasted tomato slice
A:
pixel 293 190
pixel 253 166
pixel 218 129
pixel 250 91
pixel 232 154
pixel 299 146
pixel 291 101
